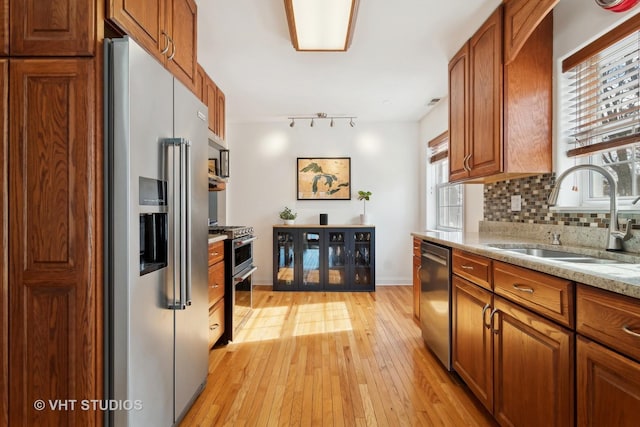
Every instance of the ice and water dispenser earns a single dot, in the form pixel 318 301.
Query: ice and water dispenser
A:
pixel 153 225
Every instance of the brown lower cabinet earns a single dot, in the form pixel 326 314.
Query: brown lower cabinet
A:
pixel 417 261
pixel 216 291
pixel 533 368
pixel 519 364
pixel 472 339
pixel 608 387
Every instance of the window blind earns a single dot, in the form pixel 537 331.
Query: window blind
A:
pixel 604 99
pixel 439 147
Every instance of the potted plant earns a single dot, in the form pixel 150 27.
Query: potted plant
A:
pixel 364 196
pixel 288 216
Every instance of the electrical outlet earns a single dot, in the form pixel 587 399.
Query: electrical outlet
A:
pixel 516 203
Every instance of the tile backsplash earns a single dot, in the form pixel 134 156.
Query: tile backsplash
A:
pixel 535 221
pixel 534 191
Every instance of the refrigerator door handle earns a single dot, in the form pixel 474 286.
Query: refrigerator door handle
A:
pixel 181 212
pixel 187 219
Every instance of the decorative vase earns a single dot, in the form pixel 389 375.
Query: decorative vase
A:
pixel 289 221
pixel 364 219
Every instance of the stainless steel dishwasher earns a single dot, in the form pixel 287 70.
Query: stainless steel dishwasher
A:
pixel 435 300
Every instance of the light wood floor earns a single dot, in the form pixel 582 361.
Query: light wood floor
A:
pixel 322 359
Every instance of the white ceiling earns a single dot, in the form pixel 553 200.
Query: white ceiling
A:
pixel 396 63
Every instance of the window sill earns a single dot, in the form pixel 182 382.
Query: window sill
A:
pixel 592 209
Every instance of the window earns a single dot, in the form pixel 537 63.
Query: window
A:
pixel 603 99
pixel 448 197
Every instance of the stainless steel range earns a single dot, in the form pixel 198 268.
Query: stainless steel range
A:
pixel 232 232
pixel 239 269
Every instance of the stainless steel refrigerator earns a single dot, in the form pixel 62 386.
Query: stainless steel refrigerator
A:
pixel 156 209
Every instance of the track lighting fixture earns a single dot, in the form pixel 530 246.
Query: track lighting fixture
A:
pixel 322 116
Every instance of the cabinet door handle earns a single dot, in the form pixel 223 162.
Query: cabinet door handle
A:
pixel 484 310
pixel 466 163
pixel 166 45
pixel 493 329
pixel 628 330
pixel 173 49
pixel 214 327
pixel 467 267
pixel 523 288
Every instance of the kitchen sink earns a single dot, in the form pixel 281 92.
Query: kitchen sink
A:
pixel 571 257
pixel 544 253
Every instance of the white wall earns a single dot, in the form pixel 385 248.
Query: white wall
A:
pixel 383 161
pixel 433 124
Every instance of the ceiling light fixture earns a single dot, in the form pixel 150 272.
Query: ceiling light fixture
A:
pixel 322 116
pixel 321 25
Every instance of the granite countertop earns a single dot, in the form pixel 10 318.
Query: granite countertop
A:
pixel 621 278
pixel 217 237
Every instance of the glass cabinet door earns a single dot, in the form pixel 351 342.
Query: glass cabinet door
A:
pixel 362 259
pixel 286 259
pixel 310 260
pixel 337 258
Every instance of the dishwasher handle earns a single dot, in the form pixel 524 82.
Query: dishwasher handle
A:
pixel 435 258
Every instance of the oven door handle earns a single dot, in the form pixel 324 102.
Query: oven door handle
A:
pixel 244 242
pixel 245 275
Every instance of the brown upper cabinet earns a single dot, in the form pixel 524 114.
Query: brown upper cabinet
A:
pixel 199 87
pixel 50 28
pixel 165 28
pixel 220 114
pixel 215 100
pixel 500 114
pixel 213 97
pixel 521 18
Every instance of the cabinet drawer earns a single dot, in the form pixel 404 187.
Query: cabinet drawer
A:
pixel 416 247
pixel 216 322
pixel 610 318
pixel 472 267
pixel 216 282
pixel 216 252
pixel 547 295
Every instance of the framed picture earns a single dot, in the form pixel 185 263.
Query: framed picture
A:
pixel 324 178
pixel 213 167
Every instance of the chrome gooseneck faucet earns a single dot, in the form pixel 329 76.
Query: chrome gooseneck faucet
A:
pixel 616 236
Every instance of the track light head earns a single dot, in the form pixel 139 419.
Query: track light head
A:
pixel 311 123
pixel 331 123
pixel 293 123
pixel 351 122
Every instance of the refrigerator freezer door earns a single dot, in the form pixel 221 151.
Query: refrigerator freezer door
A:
pixel 142 348
pixel 192 323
